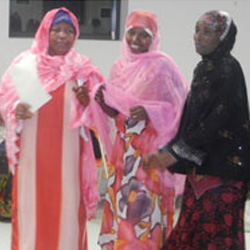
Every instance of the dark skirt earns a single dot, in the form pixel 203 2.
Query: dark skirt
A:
pixel 212 222
pixel 5 186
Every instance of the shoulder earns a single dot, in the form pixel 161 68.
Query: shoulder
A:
pixel 78 58
pixel 232 76
pixel 231 67
pixel 17 59
pixel 22 55
pixel 117 64
pixel 232 73
pixel 83 67
pixel 162 64
pixel 165 60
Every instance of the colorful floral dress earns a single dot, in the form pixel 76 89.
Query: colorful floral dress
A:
pixel 138 209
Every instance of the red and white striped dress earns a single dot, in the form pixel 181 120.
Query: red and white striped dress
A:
pixel 48 211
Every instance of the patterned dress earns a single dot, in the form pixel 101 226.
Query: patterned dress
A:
pixel 213 221
pixel 5 185
pixel 137 213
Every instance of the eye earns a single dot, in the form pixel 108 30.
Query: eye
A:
pixel 207 32
pixel 144 35
pixel 55 30
pixel 131 32
pixel 69 31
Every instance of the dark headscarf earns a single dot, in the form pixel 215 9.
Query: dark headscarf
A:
pixel 223 24
pixel 216 65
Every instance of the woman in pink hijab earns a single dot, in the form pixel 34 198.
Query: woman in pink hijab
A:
pixel 145 95
pixel 44 105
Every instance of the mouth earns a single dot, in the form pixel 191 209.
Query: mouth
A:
pixel 134 44
pixel 135 48
pixel 199 45
pixel 61 44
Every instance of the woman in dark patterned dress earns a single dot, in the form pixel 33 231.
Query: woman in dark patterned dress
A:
pixel 212 145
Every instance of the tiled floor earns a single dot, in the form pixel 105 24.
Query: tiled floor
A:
pixel 93 229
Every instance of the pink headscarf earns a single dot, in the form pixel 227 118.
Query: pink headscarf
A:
pixel 142 19
pixel 150 79
pixel 53 72
pixel 61 68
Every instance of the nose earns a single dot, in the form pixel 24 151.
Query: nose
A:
pixel 197 36
pixel 62 33
pixel 134 37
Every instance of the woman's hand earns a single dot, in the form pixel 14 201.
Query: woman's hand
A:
pixel 159 160
pixel 22 111
pixel 99 98
pixel 138 113
pixel 82 94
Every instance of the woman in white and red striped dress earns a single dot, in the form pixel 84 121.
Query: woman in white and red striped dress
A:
pixel 49 149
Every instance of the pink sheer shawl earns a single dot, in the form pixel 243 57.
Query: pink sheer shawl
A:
pixel 53 72
pixel 152 80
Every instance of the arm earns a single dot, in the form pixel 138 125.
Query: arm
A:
pixel 100 100
pixel 192 143
pixel 185 148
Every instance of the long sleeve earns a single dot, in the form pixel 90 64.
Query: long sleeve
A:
pixel 206 114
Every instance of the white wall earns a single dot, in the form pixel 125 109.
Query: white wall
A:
pixel 176 20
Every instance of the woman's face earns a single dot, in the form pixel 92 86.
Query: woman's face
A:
pixel 61 39
pixel 138 40
pixel 206 39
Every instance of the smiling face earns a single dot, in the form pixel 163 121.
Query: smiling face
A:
pixel 206 38
pixel 61 39
pixel 138 40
